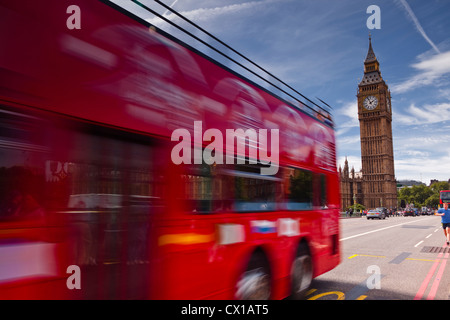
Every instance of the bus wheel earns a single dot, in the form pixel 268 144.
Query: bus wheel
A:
pixel 255 282
pixel 301 272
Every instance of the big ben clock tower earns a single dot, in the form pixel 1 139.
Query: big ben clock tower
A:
pixel 377 152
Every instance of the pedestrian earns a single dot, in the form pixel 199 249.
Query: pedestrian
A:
pixel 445 219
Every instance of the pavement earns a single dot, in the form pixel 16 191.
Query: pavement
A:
pixel 400 258
pixel 344 216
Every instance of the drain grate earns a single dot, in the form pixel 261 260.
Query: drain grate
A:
pixel 429 249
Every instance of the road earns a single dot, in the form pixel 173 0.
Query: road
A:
pixel 386 259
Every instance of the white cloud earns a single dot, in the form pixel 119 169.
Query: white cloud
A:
pixel 348 115
pixel 206 12
pixel 420 151
pixel 347 133
pixel 416 22
pixel 171 6
pixel 426 114
pixel 416 168
pixel 353 162
pixel 276 34
pixel 352 142
pixel 444 93
pixel 430 70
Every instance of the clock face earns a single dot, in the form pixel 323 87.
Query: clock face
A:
pixel 370 102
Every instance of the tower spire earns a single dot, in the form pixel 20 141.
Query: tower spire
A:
pixel 372 72
pixel 370 54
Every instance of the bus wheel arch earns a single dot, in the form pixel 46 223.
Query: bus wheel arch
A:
pixel 255 279
pixel 302 270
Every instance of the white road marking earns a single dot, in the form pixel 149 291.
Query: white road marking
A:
pixel 418 244
pixel 428 236
pixel 381 229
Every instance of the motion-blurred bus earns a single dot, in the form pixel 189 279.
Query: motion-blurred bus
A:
pixel 444 196
pixel 87 112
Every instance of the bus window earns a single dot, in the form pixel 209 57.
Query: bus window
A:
pixel 198 188
pixel 22 166
pixel 227 188
pixel 298 189
pixel 255 192
pixel 320 190
pixel 107 184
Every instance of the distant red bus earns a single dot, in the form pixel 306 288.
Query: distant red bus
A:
pixel 444 196
pixel 88 179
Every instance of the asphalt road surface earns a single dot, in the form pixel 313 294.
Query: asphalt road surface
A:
pixel 399 258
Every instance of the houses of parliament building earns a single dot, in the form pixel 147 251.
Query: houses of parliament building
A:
pixel 375 185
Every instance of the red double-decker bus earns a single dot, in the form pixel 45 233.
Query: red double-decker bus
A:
pixel 92 203
pixel 444 196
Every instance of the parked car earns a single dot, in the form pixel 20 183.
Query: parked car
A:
pixel 379 214
pixel 409 213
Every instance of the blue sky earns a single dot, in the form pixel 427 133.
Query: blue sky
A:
pixel 318 47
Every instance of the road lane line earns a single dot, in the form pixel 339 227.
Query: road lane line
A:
pixel 428 260
pixel 428 236
pixel 381 229
pixel 438 278
pixel 417 244
pixel 370 255
pixel 365 255
pixel 425 282
pixel 310 291
pixel 340 295
pixel 427 279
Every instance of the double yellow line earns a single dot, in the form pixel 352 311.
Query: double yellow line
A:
pixel 365 255
pixel 369 255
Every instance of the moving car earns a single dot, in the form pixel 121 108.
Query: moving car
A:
pixel 409 213
pixel 379 214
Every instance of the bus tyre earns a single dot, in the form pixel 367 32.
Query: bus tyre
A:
pixel 301 273
pixel 255 282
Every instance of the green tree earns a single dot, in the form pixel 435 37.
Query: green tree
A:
pixel 405 194
pixel 438 186
pixel 421 195
pixel 432 201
